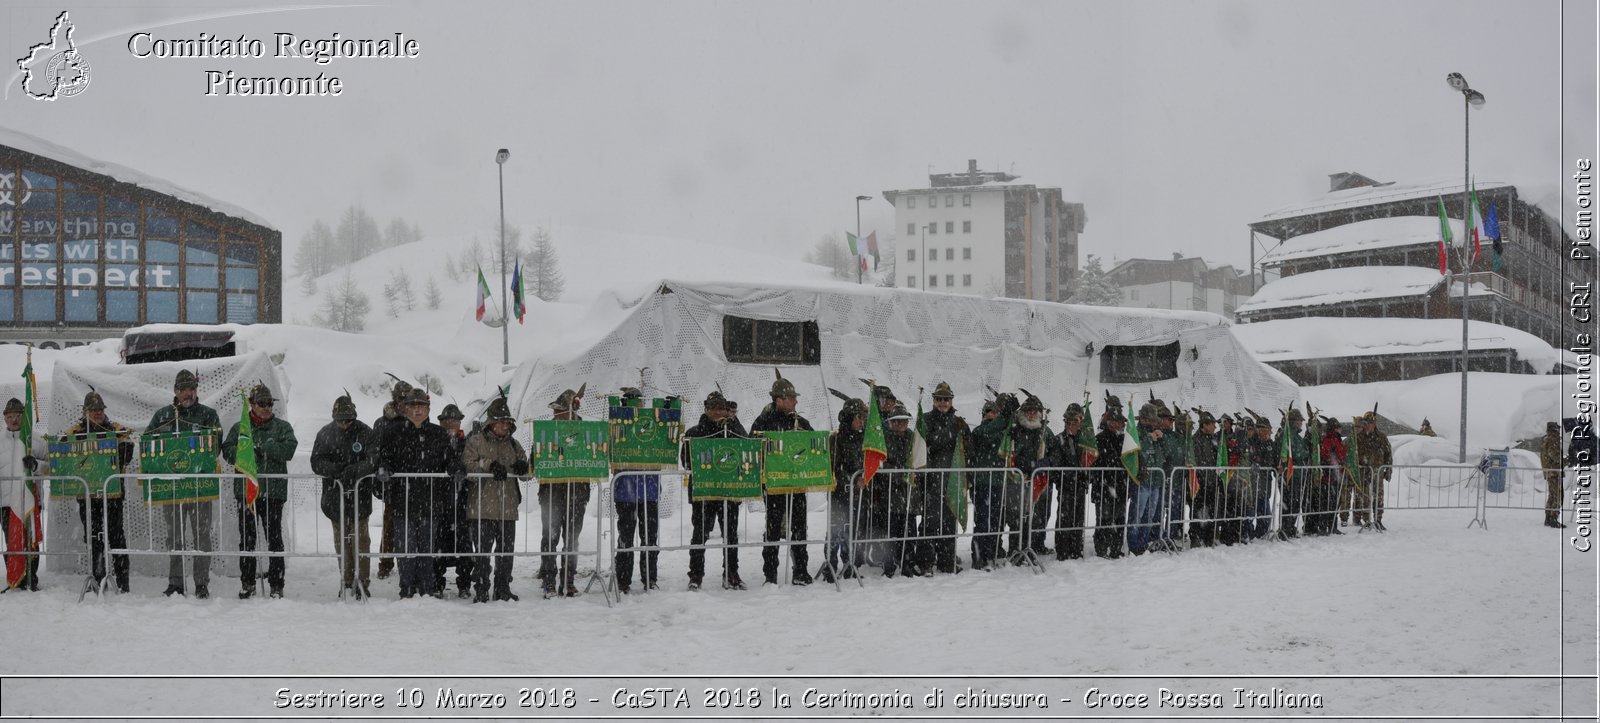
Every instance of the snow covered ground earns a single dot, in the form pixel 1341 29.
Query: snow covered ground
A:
pixel 1428 598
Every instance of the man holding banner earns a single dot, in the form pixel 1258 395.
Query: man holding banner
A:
pixel 717 421
pixel 273 445
pixel 105 519
pixel 187 414
pixel 786 513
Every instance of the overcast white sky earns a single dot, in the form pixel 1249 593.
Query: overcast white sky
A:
pixel 1174 123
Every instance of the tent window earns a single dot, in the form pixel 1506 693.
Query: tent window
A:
pixel 1138 364
pixel 760 341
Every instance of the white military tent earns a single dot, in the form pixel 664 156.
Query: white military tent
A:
pixel 691 338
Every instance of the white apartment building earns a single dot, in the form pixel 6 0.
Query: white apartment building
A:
pixel 1186 284
pixel 982 233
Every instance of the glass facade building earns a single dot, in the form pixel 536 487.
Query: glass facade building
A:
pixel 86 255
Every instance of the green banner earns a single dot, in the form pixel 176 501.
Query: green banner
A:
pixel 645 437
pixel 93 458
pixel 165 458
pixel 797 462
pixel 725 468
pixel 569 450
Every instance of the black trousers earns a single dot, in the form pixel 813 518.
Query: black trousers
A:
pixel 99 527
pixel 705 516
pixel 561 508
pixel 1069 519
pixel 937 520
pixel 490 536
pixel 451 535
pixel 1110 515
pixel 786 519
pixel 643 518
pixel 270 514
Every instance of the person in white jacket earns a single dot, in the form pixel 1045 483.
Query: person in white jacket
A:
pixel 17 462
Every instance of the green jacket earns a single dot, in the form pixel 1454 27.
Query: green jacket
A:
pixel 173 418
pixel 275 445
pixel 985 450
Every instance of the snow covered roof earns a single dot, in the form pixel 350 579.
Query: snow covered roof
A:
pixel 1333 286
pixel 1327 337
pixel 1377 233
pixel 1373 195
pixel 45 149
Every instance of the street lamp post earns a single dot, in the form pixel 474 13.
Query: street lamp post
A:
pixel 859 240
pixel 505 326
pixel 1469 99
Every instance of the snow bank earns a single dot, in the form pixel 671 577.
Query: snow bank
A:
pixel 1502 409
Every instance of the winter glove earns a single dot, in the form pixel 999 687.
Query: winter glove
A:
pixel 456 469
pixel 383 475
pixel 498 470
pixel 124 454
pixel 30 464
pixel 520 468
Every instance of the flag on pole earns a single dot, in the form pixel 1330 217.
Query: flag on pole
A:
pixel 872 248
pixel 1222 460
pixel 874 449
pixel 919 440
pixel 519 301
pixel 857 250
pixel 244 457
pixel 955 485
pixel 487 313
pixel 1491 226
pixel 25 528
pixel 1130 452
pixel 1286 449
pixel 1477 224
pixel 1444 240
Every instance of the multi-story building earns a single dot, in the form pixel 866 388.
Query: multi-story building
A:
pixel 983 233
pixel 1188 284
pixel 1371 250
pixel 89 249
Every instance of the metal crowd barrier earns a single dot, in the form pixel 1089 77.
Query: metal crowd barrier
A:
pixel 1473 487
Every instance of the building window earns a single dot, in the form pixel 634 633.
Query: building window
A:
pixel 933 202
pixel 966 227
pixel 1133 294
pixel 911 201
pixel 911 282
pixel 966 199
pixel 933 228
pixel 949 226
pixel 911 254
pixel 950 254
pixel 762 341
pixel 949 201
pixel 966 279
pixel 950 280
pixel 933 281
pixel 911 229
pixel 1138 364
pixel 966 254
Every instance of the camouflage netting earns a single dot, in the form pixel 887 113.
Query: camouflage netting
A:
pixel 907 340
pixel 133 393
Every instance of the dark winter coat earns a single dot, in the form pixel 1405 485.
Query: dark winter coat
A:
pixel 984 451
pixel 943 430
pixel 344 457
pixel 424 449
pixel 173 418
pixel 275 445
pixel 382 429
pixel 1581 450
pixel 1205 456
pixel 1373 453
pixel 845 447
pixel 1031 448
pixel 772 420
pixel 1109 484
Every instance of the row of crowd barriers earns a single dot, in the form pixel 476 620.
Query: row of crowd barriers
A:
pixel 867 540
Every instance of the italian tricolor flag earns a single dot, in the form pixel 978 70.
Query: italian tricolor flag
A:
pixel 244 458
pixel 1130 452
pixel 874 449
pixel 483 295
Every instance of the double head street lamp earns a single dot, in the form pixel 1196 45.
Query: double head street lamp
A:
pixel 500 157
pixel 1469 99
